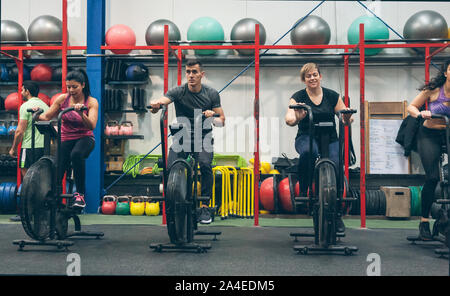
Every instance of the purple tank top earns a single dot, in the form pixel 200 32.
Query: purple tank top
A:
pixel 438 106
pixel 72 126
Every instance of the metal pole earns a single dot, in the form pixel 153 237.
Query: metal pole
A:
pixel 256 116
pixel 362 179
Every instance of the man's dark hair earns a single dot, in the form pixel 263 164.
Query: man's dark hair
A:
pixel 32 87
pixel 193 62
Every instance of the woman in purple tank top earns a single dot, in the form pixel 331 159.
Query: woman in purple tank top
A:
pixel 77 137
pixel 431 137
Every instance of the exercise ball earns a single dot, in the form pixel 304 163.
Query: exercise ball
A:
pixel 373 29
pixel 136 72
pixel 12 102
pixel 313 30
pixel 54 97
pixel 57 73
pixel 41 72
pixel 14 73
pixel 120 35
pixel 12 31
pixel 155 33
pixel 46 28
pixel 425 24
pixel 203 29
pixel 44 98
pixel 245 30
pixel 284 195
pixel 266 194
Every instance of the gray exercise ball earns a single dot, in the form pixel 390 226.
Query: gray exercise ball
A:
pixel 313 30
pixel 245 30
pixel 425 24
pixel 12 31
pixel 155 33
pixel 45 28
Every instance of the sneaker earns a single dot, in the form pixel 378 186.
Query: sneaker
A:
pixel 78 201
pixel 424 231
pixel 15 219
pixel 204 216
pixel 340 226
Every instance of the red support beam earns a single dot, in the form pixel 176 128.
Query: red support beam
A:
pixel 256 116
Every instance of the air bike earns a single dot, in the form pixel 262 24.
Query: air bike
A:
pixel 441 226
pixel 44 212
pixel 181 198
pixel 325 190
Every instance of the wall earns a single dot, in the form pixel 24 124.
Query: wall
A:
pixel 384 83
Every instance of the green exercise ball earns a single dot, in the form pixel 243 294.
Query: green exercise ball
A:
pixel 373 29
pixel 205 28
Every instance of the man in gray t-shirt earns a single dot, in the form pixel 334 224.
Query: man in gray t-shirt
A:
pixel 190 100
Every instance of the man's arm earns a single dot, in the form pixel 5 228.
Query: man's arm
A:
pixel 156 104
pixel 18 136
pixel 219 121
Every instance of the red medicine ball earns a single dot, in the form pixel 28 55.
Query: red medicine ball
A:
pixel 12 101
pixel 41 72
pixel 44 98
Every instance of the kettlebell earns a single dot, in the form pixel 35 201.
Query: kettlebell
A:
pixel 3 129
pixel 126 128
pixel 12 127
pixel 152 208
pixel 109 205
pixel 123 205
pixel 112 128
pixel 137 206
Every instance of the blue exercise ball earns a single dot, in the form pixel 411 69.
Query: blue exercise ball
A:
pixel 204 29
pixel 373 29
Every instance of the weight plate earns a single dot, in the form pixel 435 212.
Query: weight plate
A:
pixel 327 202
pixel 35 195
pixel 2 187
pixel 176 207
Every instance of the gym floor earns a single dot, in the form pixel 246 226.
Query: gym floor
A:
pixel 241 250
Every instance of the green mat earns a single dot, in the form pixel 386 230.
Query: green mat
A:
pixel 350 222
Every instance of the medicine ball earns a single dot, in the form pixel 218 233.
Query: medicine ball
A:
pixel 136 72
pixel 57 73
pixel 14 73
pixel 41 72
pixel 12 101
pixel 44 98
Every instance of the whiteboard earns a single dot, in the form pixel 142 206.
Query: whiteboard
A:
pixel 386 155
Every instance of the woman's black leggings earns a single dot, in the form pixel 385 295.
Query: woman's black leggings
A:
pixel 74 154
pixel 429 145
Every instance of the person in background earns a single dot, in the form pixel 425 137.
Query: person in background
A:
pixel 23 133
pixel 431 137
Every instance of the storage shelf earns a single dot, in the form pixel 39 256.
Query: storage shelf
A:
pixel 127 111
pixel 268 60
pixel 128 82
pixel 124 137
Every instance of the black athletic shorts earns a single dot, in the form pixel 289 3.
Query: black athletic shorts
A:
pixel 26 156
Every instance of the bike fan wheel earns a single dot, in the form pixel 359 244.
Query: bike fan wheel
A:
pixel 177 205
pixel 35 198
pixel 327 203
